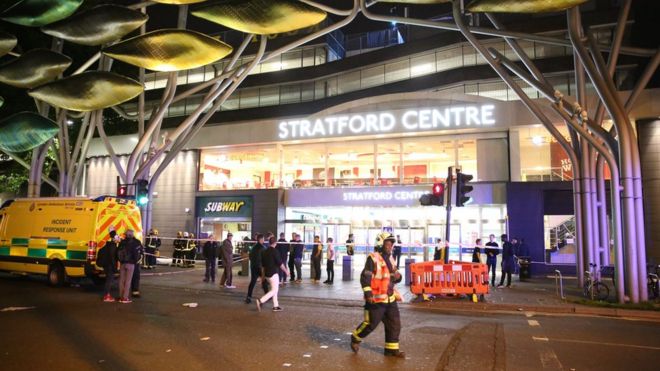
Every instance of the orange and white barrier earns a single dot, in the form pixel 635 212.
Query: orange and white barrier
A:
pixel 437 278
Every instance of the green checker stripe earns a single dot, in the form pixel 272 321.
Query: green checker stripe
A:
pixel 76 255
pixel 36 253
pixel 57 244
pixel 4 250
pixel 20 242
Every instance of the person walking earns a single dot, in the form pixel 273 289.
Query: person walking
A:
pixel 292 258
pixel 227 262
pixel 109 265
pixel 508 261
pixel 271 263
pixel 255 267
pixel 210 252
pixel 397 251
pixel 317 252
pixel 330 259
pixel 128 256
pixel 283 249
pixel 378 279
pixel 151 247
pixel 492 250
pixel 476 253
pixel 298 250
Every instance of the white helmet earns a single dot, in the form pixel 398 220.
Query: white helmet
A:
pixel 185 235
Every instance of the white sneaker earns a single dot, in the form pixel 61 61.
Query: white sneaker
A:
pixel 230 287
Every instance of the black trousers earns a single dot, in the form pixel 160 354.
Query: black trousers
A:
pixel 397 257
pixel 317 268
pixel 330 268
pixel 292 266
pixel 374 314
pixel 254 276
pixel 177 256
pixel 135 280
pixel 491 262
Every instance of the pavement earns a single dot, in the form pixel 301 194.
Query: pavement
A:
pixel 70 328
pixel 538 295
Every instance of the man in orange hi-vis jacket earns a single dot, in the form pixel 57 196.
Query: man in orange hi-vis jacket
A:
pixel 378 279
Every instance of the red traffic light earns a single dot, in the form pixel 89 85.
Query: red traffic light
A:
pixel 438 189
pixel 122 191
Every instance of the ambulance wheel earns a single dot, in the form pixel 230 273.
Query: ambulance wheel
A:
pixel 56 274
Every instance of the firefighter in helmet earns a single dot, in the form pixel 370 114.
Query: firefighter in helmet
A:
pixel 178 248
pixel 151 246
pixel 378 279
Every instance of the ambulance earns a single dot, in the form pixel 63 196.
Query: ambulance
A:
pixel 60 237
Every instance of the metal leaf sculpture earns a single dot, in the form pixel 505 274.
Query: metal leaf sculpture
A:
pixel 522 6
pixel 37 13
pixel 2 101
pixel 24 131
pixel 169 50
pixel 97 26
pixel 35 67
pixel 7 43
pixel 416 1
pixel 178 2
pixel 261 17
pixel 88 91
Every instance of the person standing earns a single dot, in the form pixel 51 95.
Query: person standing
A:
pixel 177 248
pixel 255 267
pixel 350 245
pixel 317 252
pixel 152 244
pixel 397 251
pixel 110 265
pixel 283 248
pixel 476 253
pixel 135 280
pixel 507 261
pixel 492 251
pixel 210 252
pixel 292 258
pixel 271 263
pixel 128 256
pixel 439 253
pixel 378 279
pixel 330 265
pixel 227 262
pixel 298 250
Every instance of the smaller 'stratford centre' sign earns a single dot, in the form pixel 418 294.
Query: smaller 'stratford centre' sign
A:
pixel 423 119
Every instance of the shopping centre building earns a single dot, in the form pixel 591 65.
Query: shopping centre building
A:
pixel 344 135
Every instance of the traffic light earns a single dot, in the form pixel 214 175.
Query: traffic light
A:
pixel 142 192
pixel 463 188
pixel 122 191
pixel 436 197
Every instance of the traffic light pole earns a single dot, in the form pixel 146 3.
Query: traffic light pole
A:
pixel 450 181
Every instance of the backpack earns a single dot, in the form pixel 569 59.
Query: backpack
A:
pixel 102 256
pixel 122 254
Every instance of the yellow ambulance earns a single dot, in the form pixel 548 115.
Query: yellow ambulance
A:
pixel 60 237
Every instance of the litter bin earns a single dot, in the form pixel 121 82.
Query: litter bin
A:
pixel 347 268
pixel 525 267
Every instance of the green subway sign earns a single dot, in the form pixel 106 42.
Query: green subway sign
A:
pixel 229 206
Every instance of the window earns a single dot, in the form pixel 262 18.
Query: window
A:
pixel 541 157
pixel 304 165
pixel 425 160
pixel 351 163
pixel 239 168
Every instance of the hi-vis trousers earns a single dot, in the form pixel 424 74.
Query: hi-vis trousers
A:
pixel 388 313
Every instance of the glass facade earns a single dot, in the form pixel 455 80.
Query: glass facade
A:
pixel 409 160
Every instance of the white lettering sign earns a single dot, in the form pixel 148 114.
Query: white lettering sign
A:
pixel 383 195
pixel 385 122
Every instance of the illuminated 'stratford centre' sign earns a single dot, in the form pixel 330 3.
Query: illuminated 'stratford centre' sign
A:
pixel 384 122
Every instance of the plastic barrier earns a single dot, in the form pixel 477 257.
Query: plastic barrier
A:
pixel 437 278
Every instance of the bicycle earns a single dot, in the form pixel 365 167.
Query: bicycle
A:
pixel 594 288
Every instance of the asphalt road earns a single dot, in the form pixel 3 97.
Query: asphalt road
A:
pixel 72 329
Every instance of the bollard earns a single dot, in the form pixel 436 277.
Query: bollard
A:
pixel 245 267
pixel 408 278
pixel 347 268
pixel 426 253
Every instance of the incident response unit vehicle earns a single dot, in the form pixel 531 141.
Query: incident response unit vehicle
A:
pixel 60 237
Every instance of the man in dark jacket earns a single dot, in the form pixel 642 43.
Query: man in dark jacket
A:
pixel 110 265
pixel 227 262
pixel 255 267
pixel 129 255
pixel 292 258
pixel 283 249
pixel 210 252
pixel 492 250
pixel 507 261
pixel 298 249
pixel 135 280
pixel 151 246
